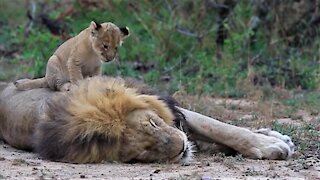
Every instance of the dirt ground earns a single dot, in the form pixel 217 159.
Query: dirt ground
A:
pixel 17 164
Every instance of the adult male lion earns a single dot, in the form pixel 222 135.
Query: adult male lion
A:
pixel 111 119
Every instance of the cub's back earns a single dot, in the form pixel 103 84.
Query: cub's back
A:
pixel 79 41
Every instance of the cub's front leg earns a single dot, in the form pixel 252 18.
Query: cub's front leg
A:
pixel 74 65
pixel 97 71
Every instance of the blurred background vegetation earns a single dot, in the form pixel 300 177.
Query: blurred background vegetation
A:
pixel 227 48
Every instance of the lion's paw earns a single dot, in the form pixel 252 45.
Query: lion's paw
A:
pixel 272 145
pixel 276 134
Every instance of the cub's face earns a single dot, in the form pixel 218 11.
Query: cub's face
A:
pixel 106 38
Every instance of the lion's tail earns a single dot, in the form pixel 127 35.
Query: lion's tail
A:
pixel 31 84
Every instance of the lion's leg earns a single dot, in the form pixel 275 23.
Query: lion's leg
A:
pixel 246 142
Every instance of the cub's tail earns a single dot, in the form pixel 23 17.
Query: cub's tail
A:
pixel 25 84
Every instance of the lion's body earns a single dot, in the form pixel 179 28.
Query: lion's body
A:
pixel 100 120
pixel 17 127
pixel 107 119
pixel 79 57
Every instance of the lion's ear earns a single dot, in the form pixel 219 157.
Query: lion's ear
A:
pixel 124 32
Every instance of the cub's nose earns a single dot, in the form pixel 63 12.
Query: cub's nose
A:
pixel 108 59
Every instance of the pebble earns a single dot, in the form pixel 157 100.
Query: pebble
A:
pixel 206 178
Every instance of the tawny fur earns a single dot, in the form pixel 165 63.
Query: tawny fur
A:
pixel 101 119
pixel 89 107
pixel 79 57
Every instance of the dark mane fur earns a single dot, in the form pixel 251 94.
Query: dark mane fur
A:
pixel 59 137
pixel 142 88
pixel 51 131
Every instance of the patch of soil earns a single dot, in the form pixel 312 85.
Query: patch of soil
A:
pixel 20 164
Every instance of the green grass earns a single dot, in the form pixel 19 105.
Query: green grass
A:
pixel 189 60
pixel 305 137
pixel 309 101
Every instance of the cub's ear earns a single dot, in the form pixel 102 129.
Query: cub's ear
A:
pixel 94 28
pixel 124 32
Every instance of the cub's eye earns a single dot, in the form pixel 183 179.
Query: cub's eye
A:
pixel 153 123
pixel 116 48
pixel 105 46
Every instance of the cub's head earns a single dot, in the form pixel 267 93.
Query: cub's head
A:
pixel 106 38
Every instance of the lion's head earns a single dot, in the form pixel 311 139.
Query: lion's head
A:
pixel 103 119
pixel 106 38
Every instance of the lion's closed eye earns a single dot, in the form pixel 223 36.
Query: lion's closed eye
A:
pixel 153 124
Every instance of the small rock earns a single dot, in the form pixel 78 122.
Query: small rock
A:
pixel 309 156
pixel 82 176
pixel 248 117
pixel 185 164
pixel 206 178
pixel 156 171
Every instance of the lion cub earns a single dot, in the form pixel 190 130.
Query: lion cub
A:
pixel 79 57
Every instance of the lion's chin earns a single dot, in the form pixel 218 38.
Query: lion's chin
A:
pixel 186 155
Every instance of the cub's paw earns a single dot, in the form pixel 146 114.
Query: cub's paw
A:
pixel 67 87
pixel 20 84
